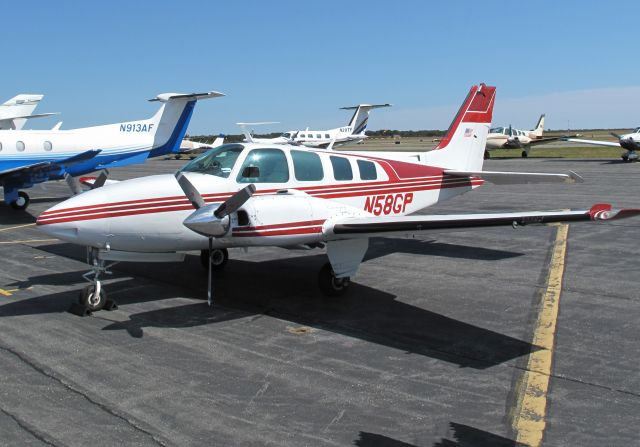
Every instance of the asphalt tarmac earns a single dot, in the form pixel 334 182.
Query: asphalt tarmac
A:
pixel 431 346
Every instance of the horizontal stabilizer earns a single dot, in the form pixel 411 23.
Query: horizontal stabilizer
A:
pixel 517 178
pixel 370 106
pixel 36 115
pixel 164 97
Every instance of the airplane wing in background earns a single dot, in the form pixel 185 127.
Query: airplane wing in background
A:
pixel 380 226
pixel 594 142
pixel 49 165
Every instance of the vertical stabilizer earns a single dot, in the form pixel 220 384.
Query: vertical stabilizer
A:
pixel 360 118
pixel 539 129
pixel 463 146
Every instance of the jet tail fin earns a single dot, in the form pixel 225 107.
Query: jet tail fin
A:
pixel 360 118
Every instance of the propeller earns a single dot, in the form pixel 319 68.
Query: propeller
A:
pixel 211 220
pixel 618 136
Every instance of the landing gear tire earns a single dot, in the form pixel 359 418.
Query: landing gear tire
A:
pixel 91 300
pixel 220 256
pixel 329 284
pixel 487 155
pixel 524 154
pixel 22 202
pixel 176 157
pixel 625 158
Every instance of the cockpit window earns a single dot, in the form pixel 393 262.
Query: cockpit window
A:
pixel 218 161
pixel 497 130
pixel 264 166
pixel 637 130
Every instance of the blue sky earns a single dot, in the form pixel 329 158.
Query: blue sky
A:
pixel 297 62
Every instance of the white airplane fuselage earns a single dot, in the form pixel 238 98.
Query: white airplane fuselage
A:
pixel 147 214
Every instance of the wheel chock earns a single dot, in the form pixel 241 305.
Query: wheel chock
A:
pixel 79 310
pixel 110 305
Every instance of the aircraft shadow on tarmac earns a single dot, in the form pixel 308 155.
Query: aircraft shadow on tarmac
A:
pixel 10 216
pixel 284 288
pixel 463 436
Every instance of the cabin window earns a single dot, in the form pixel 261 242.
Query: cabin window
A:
pixel 271 167
pixel 47 146
pixel 20 146
pixel 302 135
pixel 341 168
pixel 318 136
pixel 327 136
pixel 0 147
pixel 307 166
pixel 367 170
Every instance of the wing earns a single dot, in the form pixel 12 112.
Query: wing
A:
pixel 516 178
pixel 380 226
pixel 49 165
pixel 594 142
pixel 543 140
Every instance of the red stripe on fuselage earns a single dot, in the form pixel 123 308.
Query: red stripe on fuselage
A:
pixel 158 205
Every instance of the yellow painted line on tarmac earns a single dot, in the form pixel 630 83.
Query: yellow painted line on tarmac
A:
pixel 28 241
pixel 529 421
pixel 19 226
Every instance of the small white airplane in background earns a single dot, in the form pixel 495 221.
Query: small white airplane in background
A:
pixel 28 157
pixel 353 132
pixel 510 138
pixel 191 148
pixel 630 142
pixel 250 194
pixel 15 112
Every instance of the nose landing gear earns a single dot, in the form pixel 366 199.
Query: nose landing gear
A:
pixel 93 297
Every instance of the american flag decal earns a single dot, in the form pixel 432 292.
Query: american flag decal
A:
pixel 468 132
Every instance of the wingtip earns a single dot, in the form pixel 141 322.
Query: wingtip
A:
pixel 604 211
pixel 575 178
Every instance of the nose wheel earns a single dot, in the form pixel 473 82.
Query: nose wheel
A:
pixel 329 284
pixel 93 297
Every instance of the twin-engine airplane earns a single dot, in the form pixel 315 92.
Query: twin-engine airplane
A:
pixel 630 142
pixel 242 195
pixel 510 138
pixel 353 132
pixel 15 112
pixel 28 157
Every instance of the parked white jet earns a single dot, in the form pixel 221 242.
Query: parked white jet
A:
pixel 242 195
pixel 191 148
pixel 28 157
pixel 630 142
pixel 15 112
pixel 353 132
pixel 510 138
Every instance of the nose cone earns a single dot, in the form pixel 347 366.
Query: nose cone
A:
pixel 65 220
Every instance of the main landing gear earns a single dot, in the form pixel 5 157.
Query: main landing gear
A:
pixel 219 258
pixel 21 202
pixel 329 284
pixel 93 297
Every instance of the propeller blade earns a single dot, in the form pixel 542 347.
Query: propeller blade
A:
pixel 100 181
pixel 210 283
pixel 233 203
pixel 190 191
pixel 619 137
pixel 510 131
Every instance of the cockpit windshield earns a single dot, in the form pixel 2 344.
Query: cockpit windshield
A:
pixel 636 130
pixel 497 130
pixel 219 161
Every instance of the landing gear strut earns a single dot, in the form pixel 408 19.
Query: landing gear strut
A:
pixel 329 284
pixel 22 202
pixel 93 297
